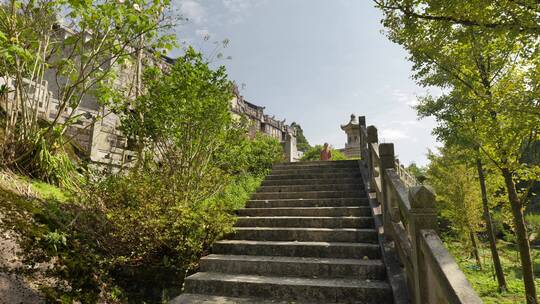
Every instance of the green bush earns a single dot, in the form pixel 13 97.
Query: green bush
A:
pixel 132 237
pixel 254 156
pixel 263 151
pixel 314 153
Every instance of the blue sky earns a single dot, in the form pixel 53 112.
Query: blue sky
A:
pixel 315 62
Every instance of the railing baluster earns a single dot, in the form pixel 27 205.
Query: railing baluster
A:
pixel 372 138
pixel 386 156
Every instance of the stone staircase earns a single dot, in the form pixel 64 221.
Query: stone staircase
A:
pixel 306 236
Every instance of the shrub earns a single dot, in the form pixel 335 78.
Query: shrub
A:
pixel 262 152
pixel 131 237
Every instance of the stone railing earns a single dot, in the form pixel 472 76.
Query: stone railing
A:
pixel 405 175
pixel 407 219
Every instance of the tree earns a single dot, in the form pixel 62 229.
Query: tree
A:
pixel 82 56
pixel 458 195
pixel 491 89
pixel 418 172
pixel 184 120
pixel 301 142
pixel 516 16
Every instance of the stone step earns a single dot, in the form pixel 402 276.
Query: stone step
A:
pixel 189 298
pixel 305 234
pixel 294 266
pixel 317 170
pixel 337 250
pixel 307 211
pixel 313 175
pixel 311 181
pixel 308 194
pixel 298 202
pixel 311 222
pixel 289 288
pixel 318 164
pixel 302 188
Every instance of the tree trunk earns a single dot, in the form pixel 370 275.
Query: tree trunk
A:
pixel 475 248
pixel 522 238
pixel 489 226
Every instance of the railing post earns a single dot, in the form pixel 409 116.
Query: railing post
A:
pixel 372 134
pixel 422 215
pixel 372 137
pixel 386 155
pixel 363 140
pixel 290 147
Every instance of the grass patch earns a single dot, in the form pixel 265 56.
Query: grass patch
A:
pixel 484 280
pixel 48 191
pixel 32 188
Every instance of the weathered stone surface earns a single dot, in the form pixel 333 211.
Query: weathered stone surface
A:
pixel 295 266
pixel 312 181
pixel 305 221
pixel 313 170
pixel 210 299
pixel 303 202
pixel 312 187
pixel 298 249
pixel 313 175
pixel 309 194
pixel 304 234
pixel 290 288
pixel 307 211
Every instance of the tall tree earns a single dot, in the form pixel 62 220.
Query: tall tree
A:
pixel 491 93
pixel 301 141
pixel 508 16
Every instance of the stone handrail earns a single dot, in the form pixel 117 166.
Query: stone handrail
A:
pixel 409 222
pixel 405 175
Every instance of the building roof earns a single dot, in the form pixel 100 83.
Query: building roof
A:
pixel 352 123
pixel 252 105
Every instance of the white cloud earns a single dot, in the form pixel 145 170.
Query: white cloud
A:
pixel 409 123
pixel 239 9
pixel 358 93
pixel 405 98
pixel 392 134
pixel 193 10
pixel 237 6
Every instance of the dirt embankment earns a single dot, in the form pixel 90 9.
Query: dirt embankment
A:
pixel 14 287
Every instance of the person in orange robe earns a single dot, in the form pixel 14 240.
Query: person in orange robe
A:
pixel 326 153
